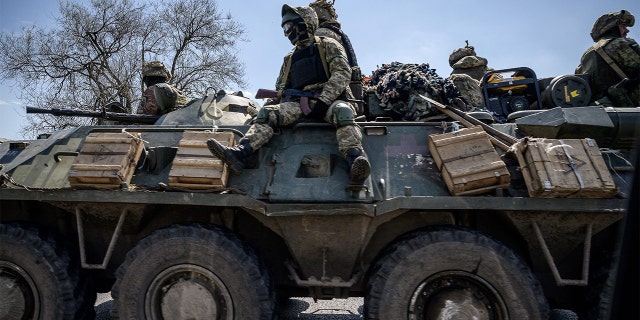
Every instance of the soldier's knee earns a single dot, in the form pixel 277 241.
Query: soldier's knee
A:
pixel 343 115
pixel 269 115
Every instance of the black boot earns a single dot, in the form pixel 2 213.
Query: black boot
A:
pixel 359 167
pixel 235 157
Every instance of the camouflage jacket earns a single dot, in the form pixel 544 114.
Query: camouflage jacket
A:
pixel 625 53
pixel 161 98
pixel 328 33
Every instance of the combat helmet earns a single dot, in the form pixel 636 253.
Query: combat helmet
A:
pixel 306 13
pixel 325 11
pixel 460 53
pixel 611 20
pixel 155 69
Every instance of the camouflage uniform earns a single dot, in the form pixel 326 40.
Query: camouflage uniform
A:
pixel 327 20
pixel 338 85
pixel 468 70
pixel 624 52
pixel 159 97
pixel 340 113
pixel 329 27
pixel 465 61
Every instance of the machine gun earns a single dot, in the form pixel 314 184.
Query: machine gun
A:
pixel 113 116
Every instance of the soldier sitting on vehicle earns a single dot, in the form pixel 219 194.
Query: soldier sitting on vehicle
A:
pixel 318 64
pixel 468 70
pixel 159 97
pixel 329 26
pixel 613 62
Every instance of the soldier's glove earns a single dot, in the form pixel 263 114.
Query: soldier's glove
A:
pixel 318 109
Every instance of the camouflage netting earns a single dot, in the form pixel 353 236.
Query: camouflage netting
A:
pixel 398 85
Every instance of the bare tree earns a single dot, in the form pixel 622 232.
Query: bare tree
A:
pixel 94 55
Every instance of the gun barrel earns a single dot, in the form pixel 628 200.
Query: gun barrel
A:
pixel 114 116
pixel 131 118
pixel 37 110
pixel 65 112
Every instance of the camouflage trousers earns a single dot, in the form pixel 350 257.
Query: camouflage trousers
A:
pixel 288 113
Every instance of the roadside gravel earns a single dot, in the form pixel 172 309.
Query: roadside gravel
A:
pixel 296 308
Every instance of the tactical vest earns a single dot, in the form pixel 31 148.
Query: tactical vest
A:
pixel 346 44
pixel 355 85
pixel 307 67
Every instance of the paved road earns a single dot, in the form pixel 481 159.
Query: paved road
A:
pixel 297 308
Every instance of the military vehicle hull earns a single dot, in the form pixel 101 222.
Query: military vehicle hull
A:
pixel 289 226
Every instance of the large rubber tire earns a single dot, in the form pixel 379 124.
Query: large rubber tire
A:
pixel 192 272
pixel 452 273
pixel 563 314
pixel 35 282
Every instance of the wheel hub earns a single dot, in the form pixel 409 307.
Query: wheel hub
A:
pixel 18 292
pixel 456 295
pixel 188 292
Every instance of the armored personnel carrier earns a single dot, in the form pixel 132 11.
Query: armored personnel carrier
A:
pixel 448 225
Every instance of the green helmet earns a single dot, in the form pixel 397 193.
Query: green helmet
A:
pixel 460 53
pixel 156 69
pixel 611 20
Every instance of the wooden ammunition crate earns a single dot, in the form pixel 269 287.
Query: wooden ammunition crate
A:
pixel 567 168
pixel 468 162
pixel 194 166
pixel 106 160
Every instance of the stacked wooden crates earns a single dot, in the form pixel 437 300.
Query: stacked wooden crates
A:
pixel 468 162
pixel 194 166
pixel 567 168
pixel 106 160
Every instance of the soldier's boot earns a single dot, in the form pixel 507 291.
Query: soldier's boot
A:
pixel 235 157
pixel 359 167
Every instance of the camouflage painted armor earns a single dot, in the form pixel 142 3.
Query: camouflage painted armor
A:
pixel 624 52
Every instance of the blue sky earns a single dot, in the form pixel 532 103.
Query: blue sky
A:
pixel 547 36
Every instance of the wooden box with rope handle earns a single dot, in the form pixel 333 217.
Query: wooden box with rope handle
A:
pixel 106 160
pixel 564 168
pixel 194 167
pixel 468 162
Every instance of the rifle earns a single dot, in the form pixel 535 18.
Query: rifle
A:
pixel 113 116
pixel 287 94
pixel 266 93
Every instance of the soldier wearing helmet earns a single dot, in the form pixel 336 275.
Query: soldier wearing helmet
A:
pixel 316 64
pixel 159 96
pixel 613 62
pixel 465 61
pixel 468 70
pixel 328 26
